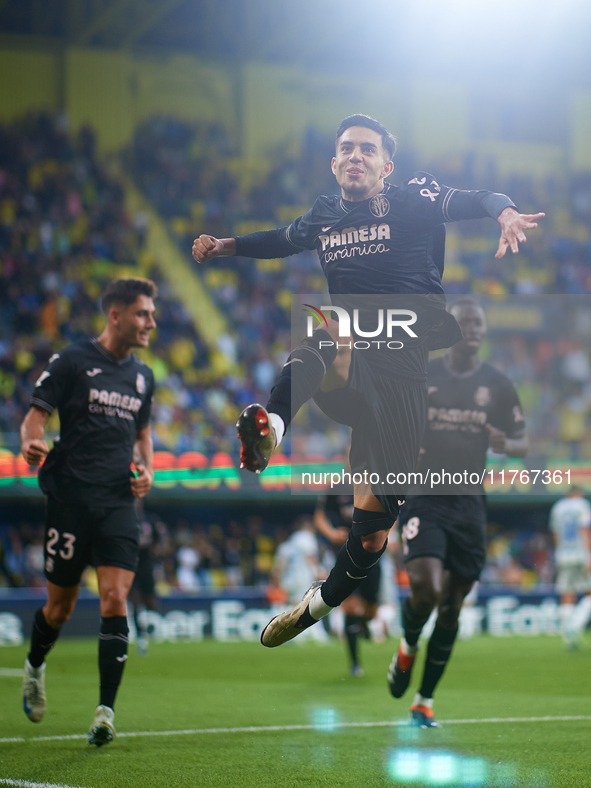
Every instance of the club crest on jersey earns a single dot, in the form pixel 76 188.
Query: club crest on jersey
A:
pixel 140 383
pixel 379 205
pixel 482 396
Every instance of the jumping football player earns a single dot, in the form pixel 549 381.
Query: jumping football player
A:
pixel 373 239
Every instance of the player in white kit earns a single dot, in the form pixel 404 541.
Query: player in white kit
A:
pixel 297 565
pixel 570 523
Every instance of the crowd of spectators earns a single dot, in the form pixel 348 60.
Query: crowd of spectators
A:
pixel 64 232
pixel 197 184
pixel 191 556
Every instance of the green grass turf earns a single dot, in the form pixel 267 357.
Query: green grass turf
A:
pixel 222 685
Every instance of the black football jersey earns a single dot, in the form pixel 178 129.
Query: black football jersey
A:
pixel 102 402
pixel 460 406
pixel 390 243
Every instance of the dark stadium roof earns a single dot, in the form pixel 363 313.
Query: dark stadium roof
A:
pixel 439 39
pixel 530 41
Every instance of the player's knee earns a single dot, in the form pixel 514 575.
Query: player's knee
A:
pixel 424 598
pixel 375 542
pixel 57 613
pixel 449 611
pixel 333 329
pixel 353 606
pixel 321 345
pixel 114 602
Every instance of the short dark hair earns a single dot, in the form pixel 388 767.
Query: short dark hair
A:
pixel 126 291
pixel 388 141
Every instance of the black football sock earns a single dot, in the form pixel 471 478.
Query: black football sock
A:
pixel 353 629
pixel 43 638
pixel 301 375
pixel 113 640
pixel 438 654
pixel 411 623
pixel 353 560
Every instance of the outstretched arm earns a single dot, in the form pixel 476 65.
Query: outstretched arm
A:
pixel 512 226
pixel 439 204
pixel 263 245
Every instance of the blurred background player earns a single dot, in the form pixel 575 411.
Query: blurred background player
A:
pixel 332 519
pixel 570 524
pixel 444 536
pixel 103 394
pixel 153 533
pixel 297 565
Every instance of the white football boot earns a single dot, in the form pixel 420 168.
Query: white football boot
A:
pixel 102 730
pixel 34 698
pixel 287 626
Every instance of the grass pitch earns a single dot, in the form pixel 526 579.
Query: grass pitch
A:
pixel 235 715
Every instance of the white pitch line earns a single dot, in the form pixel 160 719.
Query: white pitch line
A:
pixel 328 728
pixel 26 784
pixel 16 673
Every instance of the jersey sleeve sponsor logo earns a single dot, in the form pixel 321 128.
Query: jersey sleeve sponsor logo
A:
pixel 43 376
pixel 482 396
pixel 140 383
pixel 379 205
pixel 92 372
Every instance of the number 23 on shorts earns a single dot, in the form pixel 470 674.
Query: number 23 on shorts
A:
pixel 67 551
pixel 409 531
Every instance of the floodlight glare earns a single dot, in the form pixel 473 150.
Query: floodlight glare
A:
pixel 442 769
pixel 326 720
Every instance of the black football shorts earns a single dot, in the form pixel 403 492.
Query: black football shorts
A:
pixel 77 535
pixel 388 418
pixel 449 527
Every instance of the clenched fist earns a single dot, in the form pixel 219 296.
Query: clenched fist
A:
pixel 206 247
pixel 34 451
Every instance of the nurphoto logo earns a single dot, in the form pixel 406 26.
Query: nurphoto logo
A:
pixel 386 320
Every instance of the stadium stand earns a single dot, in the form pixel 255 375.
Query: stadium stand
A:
pixel 187 172
pixel 64 231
